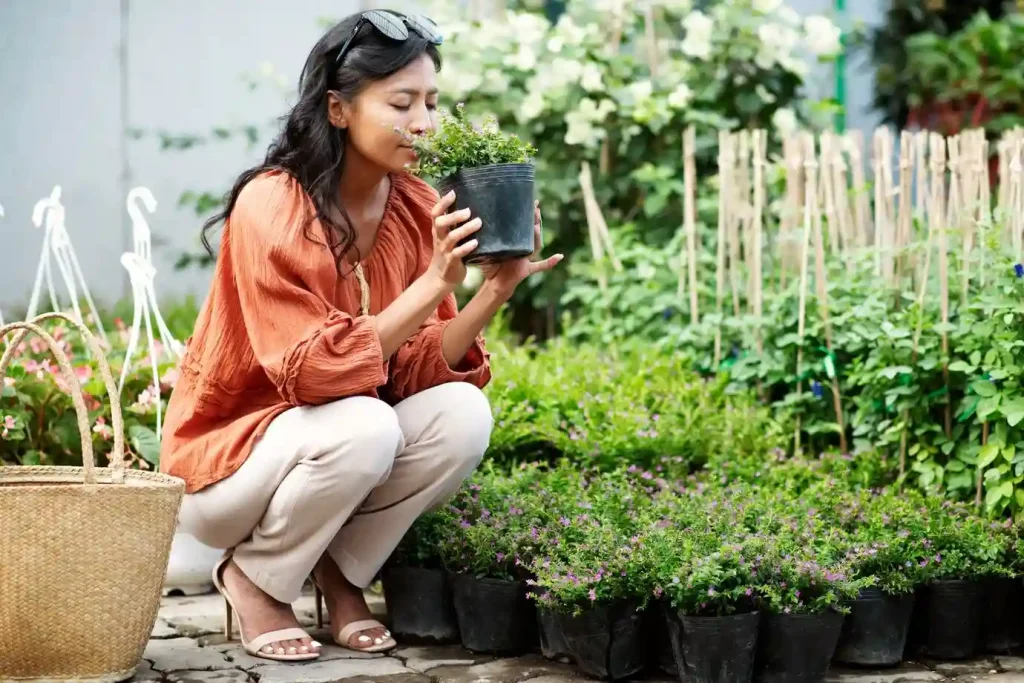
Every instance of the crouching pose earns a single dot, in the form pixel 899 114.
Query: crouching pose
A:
pixel 331 392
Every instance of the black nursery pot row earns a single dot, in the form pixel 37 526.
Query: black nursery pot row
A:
pixel 947 620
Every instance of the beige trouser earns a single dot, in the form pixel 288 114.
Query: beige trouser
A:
pixel 348 477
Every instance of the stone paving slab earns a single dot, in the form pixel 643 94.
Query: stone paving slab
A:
pixel 187 646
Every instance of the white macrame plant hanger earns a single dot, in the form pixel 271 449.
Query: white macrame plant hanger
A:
pixel 142 274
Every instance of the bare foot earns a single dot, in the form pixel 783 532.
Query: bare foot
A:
pixel 346 604
pixel 260 613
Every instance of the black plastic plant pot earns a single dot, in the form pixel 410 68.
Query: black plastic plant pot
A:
pixel 954 619
pixel 552 643
pixel 875 631
pixel 714 649
pixel 501 195
pixel 797 648
pixel 419 605
pixel 494 616
pixel 606 642
pixel 1002 621
pixel 659 635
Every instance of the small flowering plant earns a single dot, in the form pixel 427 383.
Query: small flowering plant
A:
pixel 715 578
pixel 457 144
pixel 38 423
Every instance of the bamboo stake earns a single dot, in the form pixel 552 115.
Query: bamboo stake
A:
pixel 938 211
pixel 810 168
pixel 734 220
pixel 690 219
pixel 651 38
pixel 921 179
pixel 760 150
pixel 862 204
pixel 922 281
pixel 725 168
pixel 821 283
pixel 791 213
pixel 985 200
pixel 881 230
pixel 743 188
pixel 828 192
pixel 905 217
pixel 841 191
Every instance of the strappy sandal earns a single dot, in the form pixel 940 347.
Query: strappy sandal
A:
pixel 342 637
pixel 256 645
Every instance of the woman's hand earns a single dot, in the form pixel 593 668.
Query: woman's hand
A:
pixel 450 229
pixel 503 278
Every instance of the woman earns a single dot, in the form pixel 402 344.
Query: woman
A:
pixel 331 392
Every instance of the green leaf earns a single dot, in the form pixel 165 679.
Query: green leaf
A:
pixel 988 454
pixel 961 366
pixel 144 442
pixel 983 388
pixel 1013 410
pixel 988 407
pixel 891 372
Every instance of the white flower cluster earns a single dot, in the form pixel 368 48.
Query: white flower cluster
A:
pixel 563 70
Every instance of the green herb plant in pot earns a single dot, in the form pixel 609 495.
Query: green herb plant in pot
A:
pixel 491 174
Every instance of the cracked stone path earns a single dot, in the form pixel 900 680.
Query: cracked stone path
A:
pixel 187 647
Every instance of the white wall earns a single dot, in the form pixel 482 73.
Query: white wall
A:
pixel 66 102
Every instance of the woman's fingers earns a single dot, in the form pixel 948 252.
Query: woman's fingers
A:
pixel 546 264
pixel 464 250
pixel 444 223
pixel 442 205
pixel 461 233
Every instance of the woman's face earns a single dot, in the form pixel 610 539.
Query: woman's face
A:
pixel 406 100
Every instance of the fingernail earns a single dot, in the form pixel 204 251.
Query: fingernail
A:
pixel 451 193
pixel 316 644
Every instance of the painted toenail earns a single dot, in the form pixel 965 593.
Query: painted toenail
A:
pixel 292 650
pixel 316 644
pixel 377 641
pixel 304 649
pixel 269 650
pixel 364 639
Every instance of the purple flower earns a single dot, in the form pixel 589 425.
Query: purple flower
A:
pixel 817 390
pixel 1018 270
pixel 465 524
pixel 748 592
pixel 499 557
pixel 711 592
pixel 592 595
pixel 565 521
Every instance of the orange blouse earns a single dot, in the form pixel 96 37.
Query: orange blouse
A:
pixel 280 328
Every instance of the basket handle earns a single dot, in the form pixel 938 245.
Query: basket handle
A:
pixel 117 457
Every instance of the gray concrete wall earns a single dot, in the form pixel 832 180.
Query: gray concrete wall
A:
pixel 67 104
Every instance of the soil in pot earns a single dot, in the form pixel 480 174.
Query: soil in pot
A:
pixel 954 613
pixel 714 649
pixel 796 648
pixel 419 605
pixel 1002 625
pixel 606 642
pixel 875 631
pixel 552 643
pixel 501 195
pixel 494 615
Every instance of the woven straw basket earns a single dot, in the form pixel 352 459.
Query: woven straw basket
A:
pixel 83 550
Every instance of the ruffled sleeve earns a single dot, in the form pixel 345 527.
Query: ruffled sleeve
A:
pixel 311 351
pixel 419 364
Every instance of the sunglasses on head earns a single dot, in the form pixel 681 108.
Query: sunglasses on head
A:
pixel 395 26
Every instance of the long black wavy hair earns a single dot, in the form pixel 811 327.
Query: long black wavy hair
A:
pixel 309 147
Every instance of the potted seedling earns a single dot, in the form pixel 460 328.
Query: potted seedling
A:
pixel 416 587
pixel 491 174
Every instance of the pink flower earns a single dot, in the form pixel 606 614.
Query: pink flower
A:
pixel 592 595
pixel 101 428
pixel 10 423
